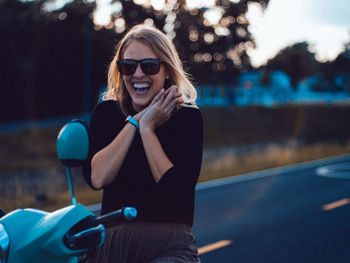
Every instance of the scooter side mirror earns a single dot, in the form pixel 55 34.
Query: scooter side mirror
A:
pixel 73 143
pixel 73 147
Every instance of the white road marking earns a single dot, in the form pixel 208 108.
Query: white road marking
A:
pixel 338 170
pixel 336 204
pixel 214 246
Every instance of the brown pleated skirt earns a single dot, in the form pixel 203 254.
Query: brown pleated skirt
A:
pixel 140 242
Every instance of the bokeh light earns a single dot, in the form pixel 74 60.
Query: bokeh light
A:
pixel 213 15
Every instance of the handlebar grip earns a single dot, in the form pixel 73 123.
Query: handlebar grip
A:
pixel 89 238
pixel 129 213
pixel 110 219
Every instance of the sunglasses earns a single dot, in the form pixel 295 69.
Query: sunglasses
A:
pixel 149 66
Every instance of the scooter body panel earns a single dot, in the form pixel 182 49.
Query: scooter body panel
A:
pixel 37 236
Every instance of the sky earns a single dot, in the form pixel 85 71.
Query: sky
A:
pixel 325 24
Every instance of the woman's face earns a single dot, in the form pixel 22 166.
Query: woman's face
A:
pixel 141 87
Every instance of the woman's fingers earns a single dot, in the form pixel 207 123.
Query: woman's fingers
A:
pixel 172 99
pixel 169 108
pixel 170 89
pixel 158 96
pixel 173 89
pixel 162 106
pixel 171 95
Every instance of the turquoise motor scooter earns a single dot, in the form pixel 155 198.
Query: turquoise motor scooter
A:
pixel 65 235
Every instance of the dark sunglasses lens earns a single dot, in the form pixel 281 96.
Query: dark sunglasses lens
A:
pixel 150 67
pixel 127 67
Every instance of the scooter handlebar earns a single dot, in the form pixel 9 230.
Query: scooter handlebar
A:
pixel 110 219
pixel 90 233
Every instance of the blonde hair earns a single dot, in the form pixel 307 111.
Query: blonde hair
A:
pixel 164 49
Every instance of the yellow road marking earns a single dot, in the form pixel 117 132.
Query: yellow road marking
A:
pixel 214 246
pixel 336 204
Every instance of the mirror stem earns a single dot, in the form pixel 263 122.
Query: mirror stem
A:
pixel 70 185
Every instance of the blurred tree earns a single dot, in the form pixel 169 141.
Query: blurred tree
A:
pixel 338 70
pixel 212 41
pixel 342 61
pixel 297 61
pixel 18 30
pixel 341 64
pixel 45 57
pixel 54 62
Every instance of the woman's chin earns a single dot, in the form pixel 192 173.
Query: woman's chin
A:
pixel 140 104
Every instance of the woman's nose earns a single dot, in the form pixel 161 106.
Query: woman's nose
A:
pixel 138 71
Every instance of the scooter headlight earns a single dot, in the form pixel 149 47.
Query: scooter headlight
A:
pixel 4 244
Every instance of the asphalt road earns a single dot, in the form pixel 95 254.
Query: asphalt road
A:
pixel 293 214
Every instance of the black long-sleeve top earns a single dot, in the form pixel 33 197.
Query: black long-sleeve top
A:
pixel 171 200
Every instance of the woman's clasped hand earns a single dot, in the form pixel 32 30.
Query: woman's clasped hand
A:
pixel 161 108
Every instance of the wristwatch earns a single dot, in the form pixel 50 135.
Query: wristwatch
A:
pixel 133 121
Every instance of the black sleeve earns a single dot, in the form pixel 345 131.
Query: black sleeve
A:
pixel 184 150
pixel 184 147
pixel 106 122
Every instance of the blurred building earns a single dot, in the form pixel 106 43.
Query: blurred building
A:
pixel 253 89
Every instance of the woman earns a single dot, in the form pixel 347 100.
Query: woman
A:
pixel 147 151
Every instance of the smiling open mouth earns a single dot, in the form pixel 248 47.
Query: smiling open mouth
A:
pixel 141 89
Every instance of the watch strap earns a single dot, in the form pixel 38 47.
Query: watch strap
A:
pixel 133 121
